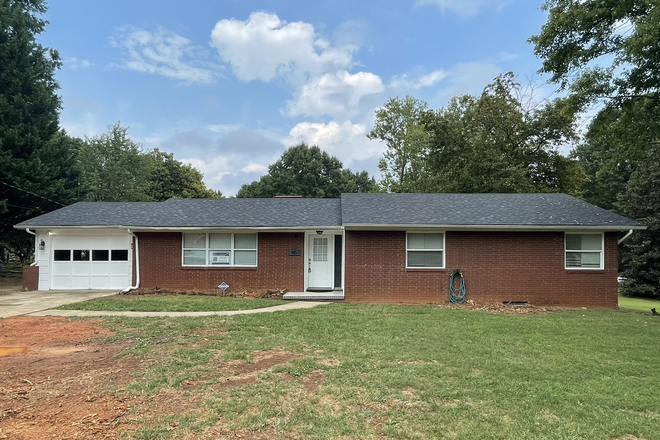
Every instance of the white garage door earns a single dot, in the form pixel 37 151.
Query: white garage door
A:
pixel 91 262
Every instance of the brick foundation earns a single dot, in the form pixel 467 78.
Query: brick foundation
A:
pixel 30 278
pixel 160 264
pixel 498 266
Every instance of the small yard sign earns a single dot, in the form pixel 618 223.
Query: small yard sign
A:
pixel 224 286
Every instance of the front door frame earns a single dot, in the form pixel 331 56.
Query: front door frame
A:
pixel 331 234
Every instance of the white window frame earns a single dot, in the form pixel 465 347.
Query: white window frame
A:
pixel 444 246
pixel 231 250
pixel 601 265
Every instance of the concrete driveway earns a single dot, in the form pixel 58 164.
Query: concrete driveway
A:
pixel 14 302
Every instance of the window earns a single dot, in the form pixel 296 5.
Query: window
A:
pixel 425 250
pixel 119 254
pixel 62 255
pixel 219 249
pixel 100 255
pixel 584 251
pixel 81 255
pixel 96 254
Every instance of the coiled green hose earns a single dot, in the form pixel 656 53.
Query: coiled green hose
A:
pixel 457 298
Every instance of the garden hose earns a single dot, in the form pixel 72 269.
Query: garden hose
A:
pixel 457 298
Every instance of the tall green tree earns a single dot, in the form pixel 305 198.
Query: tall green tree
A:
pixel 641 259
pixel 308 172
pixel 497 142
pixel 602 48
pixel 399 124
pixel 35 161
pixel 114 168
pixel 170 178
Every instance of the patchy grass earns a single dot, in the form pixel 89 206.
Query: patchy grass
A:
pixel 387 371
pixel 638 304
pixel 174 303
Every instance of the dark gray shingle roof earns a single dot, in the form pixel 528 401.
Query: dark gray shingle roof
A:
pixel 282 212
pixel 476 210
pixel 487 210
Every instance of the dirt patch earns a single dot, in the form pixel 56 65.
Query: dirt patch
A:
pixel 60 385
pixel 509 309
pixel 314 380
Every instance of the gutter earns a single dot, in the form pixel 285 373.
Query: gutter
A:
pixel 137 265
pixel 625 237
pixel 34 263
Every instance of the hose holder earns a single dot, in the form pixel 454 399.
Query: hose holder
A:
pixel 457 295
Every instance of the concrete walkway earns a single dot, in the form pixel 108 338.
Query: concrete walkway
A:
pixel 14 302
pixel 280 308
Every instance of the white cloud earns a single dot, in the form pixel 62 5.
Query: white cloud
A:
pixel 464 8
pixel 164 53
pixel 347 141
pixel 265 47
pixel 213 168
pixel 408 82
pixel 337 94
pixel 75 63
pixel 255 168
pixel 223 128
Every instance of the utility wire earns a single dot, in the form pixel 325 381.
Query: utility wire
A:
pixel 30 192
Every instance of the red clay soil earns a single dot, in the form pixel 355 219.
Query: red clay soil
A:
pixel 56 380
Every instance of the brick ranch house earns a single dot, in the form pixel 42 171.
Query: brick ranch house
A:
pixel 536 248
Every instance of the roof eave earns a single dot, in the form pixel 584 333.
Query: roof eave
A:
pixel 521 228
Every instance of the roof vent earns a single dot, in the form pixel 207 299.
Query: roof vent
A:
pixel 288 197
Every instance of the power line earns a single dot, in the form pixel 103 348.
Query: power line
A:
pixel 30 192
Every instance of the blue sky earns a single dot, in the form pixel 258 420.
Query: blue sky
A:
pixel 227 86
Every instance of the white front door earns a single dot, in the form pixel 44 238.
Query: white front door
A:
pixel 320 262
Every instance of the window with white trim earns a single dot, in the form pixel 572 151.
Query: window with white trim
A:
pixel 425 250
pixel 219 249
pixel 584 251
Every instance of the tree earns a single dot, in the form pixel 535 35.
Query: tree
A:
pixel 169 178
pixel 617 139
pixel 308 172
pixel 602 48
pixel 498 142
pixel 36 163
pixel 113 168
pixel 399 124
pixel 642 202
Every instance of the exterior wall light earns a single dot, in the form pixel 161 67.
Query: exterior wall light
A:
pixel 319 232
pixel 42 245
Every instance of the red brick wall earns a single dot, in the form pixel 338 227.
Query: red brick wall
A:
pixel 30 278
pixel 498 266
pixel 160 264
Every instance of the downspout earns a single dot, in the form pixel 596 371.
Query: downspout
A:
pixel 34 263
pixel 625 237
pixel 137 264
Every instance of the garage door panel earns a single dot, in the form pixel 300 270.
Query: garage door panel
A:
pixel 79 268
pixel 61 268
pixel 119 269
pixel 99 269
pixel 100 282
pixel 79 282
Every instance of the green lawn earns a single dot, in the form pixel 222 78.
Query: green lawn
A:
pixel 173 303
pixel 409 372
pixel 638 304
